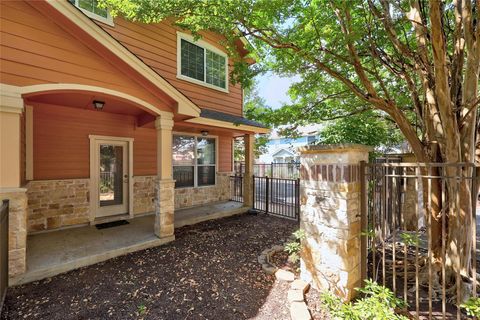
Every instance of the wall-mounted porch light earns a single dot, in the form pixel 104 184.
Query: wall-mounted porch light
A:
pixel 204 133
pixel 98 105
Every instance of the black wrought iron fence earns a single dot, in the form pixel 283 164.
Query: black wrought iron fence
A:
pixel 3 251
pixel 410 242
pixel 236 188
pixel 283 170
pixel 280 197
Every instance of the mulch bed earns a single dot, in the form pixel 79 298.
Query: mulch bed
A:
pixel 280 260
pixel 209 272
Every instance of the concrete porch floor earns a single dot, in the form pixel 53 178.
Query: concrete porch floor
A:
pixel 56 252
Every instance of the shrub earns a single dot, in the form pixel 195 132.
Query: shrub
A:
pixel 293 247
pixel 472 307
pixel 376 302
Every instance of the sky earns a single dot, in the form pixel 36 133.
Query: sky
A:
pixel 274 89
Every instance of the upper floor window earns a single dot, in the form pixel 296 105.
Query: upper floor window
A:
pixel 91 9
pixel 201 63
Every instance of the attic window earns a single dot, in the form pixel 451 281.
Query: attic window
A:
pixel 201 63
pixel 91 9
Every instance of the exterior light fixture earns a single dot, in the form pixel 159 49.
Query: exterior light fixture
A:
pixel 204 133
pixel 98 105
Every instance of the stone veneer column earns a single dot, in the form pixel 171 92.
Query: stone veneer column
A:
pixel 11 109
pixel 165 185
pixel 247 179
pixel 330 217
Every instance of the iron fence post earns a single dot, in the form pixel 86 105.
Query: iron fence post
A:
pixel 363 222
pixel 297 198
pixel 267 188
pixel 474 195
pixel 253 192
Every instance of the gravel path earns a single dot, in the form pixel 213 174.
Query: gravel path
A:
pixel 209 272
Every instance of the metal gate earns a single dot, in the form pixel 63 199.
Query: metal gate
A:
pixel 236 188
pixel 275 196
pixel 3 251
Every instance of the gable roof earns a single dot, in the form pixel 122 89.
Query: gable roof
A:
pixel 96 33
pixel 284 151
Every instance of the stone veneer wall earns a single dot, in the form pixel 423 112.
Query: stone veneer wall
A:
pixel 17 235
pixel 189 197
pixel 330 217
pixel 57 203
pixel 164 209
pixel 144 194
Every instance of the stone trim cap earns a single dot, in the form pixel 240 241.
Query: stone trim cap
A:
pixel 330 148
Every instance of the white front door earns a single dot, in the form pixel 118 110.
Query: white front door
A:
pixel 111 177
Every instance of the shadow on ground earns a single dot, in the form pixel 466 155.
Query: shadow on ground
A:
pixel 209 272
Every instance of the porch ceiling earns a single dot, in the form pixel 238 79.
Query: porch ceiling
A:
pixel 85 101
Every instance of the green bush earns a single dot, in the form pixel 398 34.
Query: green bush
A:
pixel 376 302
pixel 472 307
pixel 293 247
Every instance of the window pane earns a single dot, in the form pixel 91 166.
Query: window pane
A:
pixel 183 150
pixel 192 64
pixel 183 176
pixel 92 6
pixel 111 175
pixel 206 175
pixel 206 151
pixel 215 69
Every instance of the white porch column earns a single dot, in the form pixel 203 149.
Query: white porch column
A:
pixel 165 187
pixel 11 109
pixel 249 159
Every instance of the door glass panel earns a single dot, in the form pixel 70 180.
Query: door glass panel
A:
pixel 111 175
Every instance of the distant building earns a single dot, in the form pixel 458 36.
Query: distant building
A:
pixel 284 150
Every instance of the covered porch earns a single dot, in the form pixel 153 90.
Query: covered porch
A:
pixel 52 173
pixel 55 252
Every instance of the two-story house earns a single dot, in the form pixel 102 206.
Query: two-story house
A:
pixel 105 119
pixel 281 149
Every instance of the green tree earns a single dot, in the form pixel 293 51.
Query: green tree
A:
pixel 364 128
pixel 254 108
pixel 415 61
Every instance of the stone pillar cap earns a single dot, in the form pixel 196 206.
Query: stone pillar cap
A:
pixel 331 148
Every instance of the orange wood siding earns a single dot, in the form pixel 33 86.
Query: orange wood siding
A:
pixel 225 156
pixel 156 45
pixel 35 50
pixel 61 145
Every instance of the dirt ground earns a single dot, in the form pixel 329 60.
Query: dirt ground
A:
pixel 209 272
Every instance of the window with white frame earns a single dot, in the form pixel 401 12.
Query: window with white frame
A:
pixel 194 161
pixel 202 63
pixel 91 9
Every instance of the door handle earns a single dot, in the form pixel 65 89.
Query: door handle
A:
pixel 125 178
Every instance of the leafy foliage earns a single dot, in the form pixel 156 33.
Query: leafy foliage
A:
pixel 293 247
pixel 255 108
pixel 365 128
pixel 472 307
pixel 377 302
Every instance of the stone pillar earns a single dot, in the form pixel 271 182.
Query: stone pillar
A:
pixel 11 109
pixel 330 217
pixel 249 140
pixel 165 185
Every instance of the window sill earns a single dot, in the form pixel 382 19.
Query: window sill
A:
pixel 201 83
pixel 197 187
